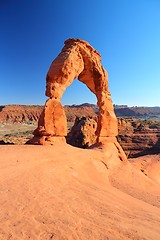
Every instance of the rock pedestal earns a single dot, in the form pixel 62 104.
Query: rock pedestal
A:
pixel 79 60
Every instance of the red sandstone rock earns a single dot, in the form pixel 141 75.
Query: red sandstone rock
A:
pixel 82 133
pixel 77 60
pixel 53 120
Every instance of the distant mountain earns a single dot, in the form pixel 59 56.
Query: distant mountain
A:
pixel 83 105
pixel 139 112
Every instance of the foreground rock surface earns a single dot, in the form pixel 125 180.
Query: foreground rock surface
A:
pixel 61 192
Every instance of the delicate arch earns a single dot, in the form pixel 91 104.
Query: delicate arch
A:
pixel 77 60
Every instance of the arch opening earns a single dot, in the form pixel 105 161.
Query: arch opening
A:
pixel 77 94
pixel 81 102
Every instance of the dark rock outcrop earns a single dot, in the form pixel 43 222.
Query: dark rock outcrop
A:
pixel 82 133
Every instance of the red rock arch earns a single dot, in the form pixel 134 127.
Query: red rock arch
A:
pixel 77 60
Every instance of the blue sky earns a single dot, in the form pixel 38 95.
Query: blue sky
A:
pixel 125 32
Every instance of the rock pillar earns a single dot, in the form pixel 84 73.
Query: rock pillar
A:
pixel 52 125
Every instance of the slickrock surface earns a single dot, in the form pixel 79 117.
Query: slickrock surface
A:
pixel 65 193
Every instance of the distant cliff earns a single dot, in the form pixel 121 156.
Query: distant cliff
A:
pixel 19 113
pixel 24 113
pixel 139 112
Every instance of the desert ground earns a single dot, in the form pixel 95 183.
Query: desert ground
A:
pixel 62 192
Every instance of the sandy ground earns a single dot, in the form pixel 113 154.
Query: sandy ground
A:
pixel 61 192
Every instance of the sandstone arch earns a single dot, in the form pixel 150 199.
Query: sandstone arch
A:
pixel 77 60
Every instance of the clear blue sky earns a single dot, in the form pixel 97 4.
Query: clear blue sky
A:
pixel 125 32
